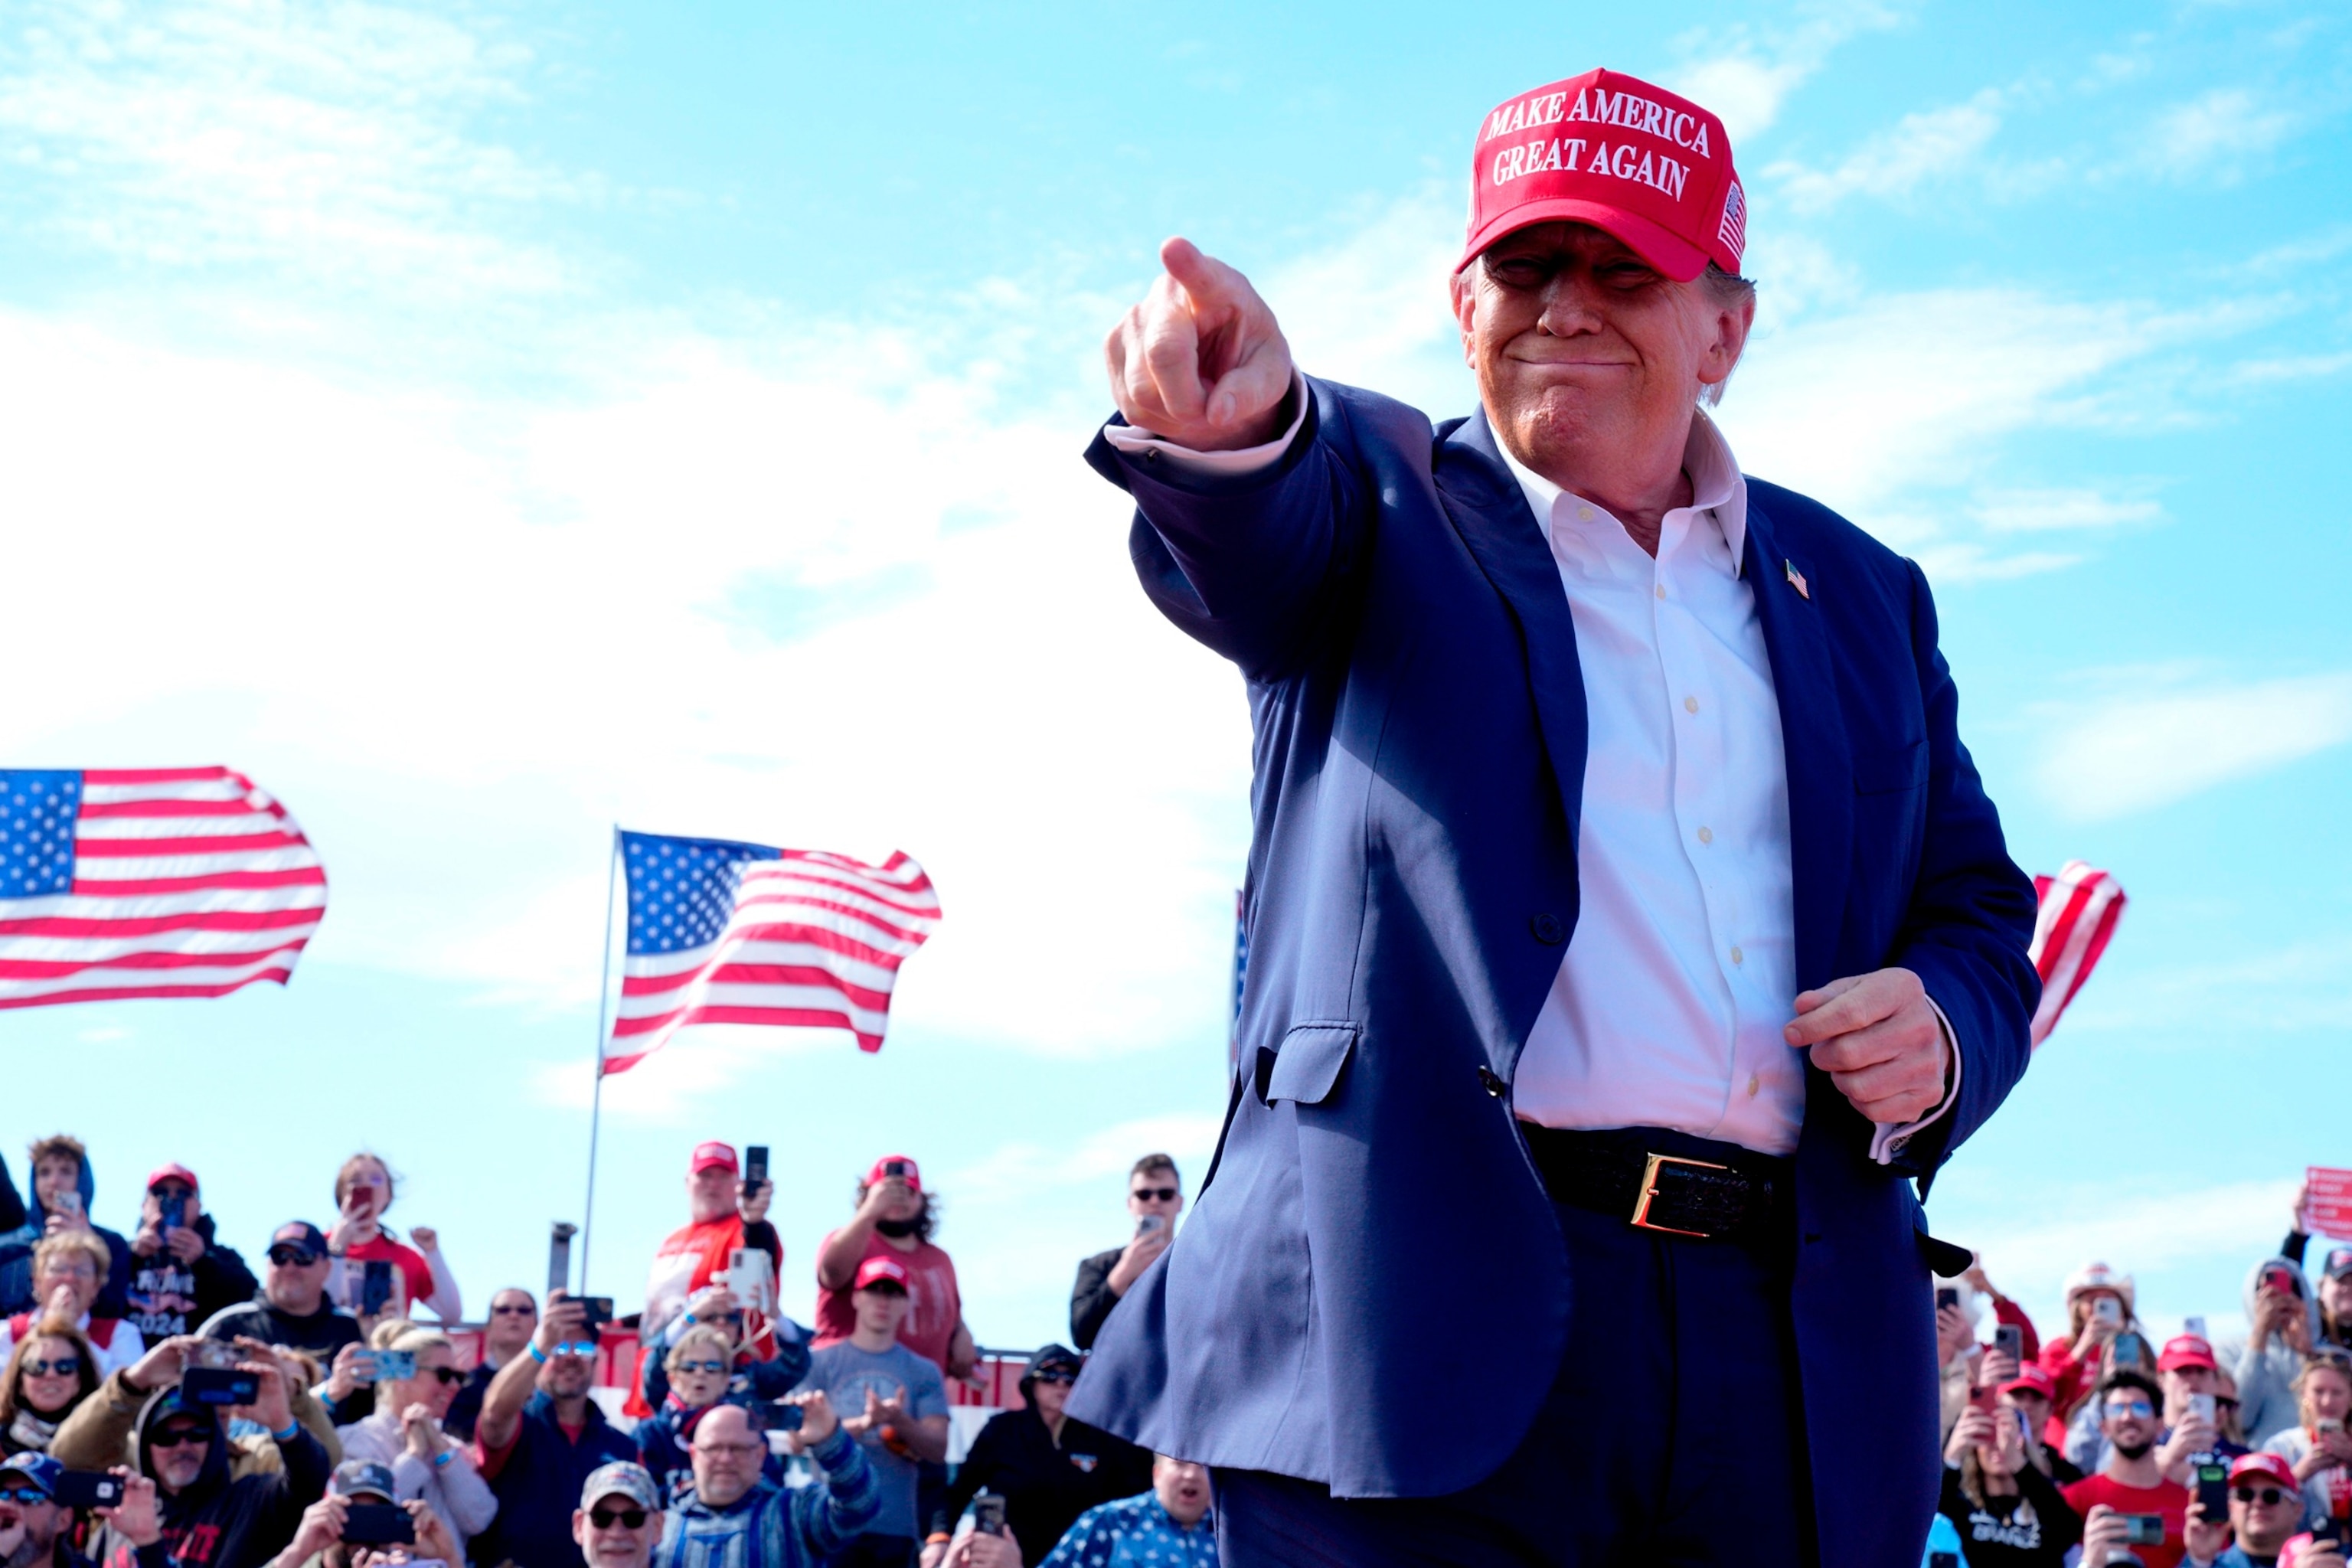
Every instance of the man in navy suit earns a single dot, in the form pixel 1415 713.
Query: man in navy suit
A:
pixel 1628 925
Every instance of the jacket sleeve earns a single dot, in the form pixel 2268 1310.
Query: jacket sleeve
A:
pixel 979 1467
pixel 1252 566
pixel 849 1500
pixel 1090 1299
pixel 12 1202
pixel 96 1436
pixel 223 1279
pixel 307 1469
pixel 1970 916
pixel 2062 1527
pixel 471 1502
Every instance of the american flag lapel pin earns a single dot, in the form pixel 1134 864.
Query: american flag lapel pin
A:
pixel 1796 579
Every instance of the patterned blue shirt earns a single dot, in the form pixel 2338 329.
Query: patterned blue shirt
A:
pixel 1136 1533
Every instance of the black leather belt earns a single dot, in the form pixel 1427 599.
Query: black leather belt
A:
pixel 1666 1181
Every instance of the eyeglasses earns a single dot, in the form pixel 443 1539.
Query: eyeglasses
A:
pixel 2269 1497
pixel 449 1374
pixel 179 1437
pixel 606 1517
pixel 64 1366
pixel 702 1366
pixel 2327 1355
pixel 78 1268
pixel 511 1311
pixel 25 1496
pixel 739 1450
pixel 1064 1377
pixel 2128 1407
pixel 293 1256
pixel 1165 1194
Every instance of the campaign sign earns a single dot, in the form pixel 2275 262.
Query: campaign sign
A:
pixel 2331 1202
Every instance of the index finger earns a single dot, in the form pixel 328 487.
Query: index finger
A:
pixel 1209 282
pixel 1850 1004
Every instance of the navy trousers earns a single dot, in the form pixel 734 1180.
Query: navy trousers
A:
pixel 1674 1434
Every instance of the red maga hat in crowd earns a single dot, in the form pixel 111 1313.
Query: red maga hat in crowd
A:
pixel 874 1268
pixel 912 1175
pixel 2186 1350
pixel 712 1156
pixel 2032 1378
pixel 174 1171
pixel 2266 1467
pixel 1610 150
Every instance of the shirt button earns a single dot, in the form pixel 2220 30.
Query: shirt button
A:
pixel 1547 929
pixel 1738 956
pixel 1491 1082
pixel 1752 1086
pixel 1584 514
pixel 1706 835
pixel 1690 704
pixel 1662 590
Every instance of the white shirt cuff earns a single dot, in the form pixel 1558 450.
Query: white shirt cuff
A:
pixel 1889 1140
pixel 1135 441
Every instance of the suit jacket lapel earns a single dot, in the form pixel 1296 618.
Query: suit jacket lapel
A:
pixel 1491 514
pixel 1813 737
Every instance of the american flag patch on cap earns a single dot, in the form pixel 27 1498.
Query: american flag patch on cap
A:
pixel 1734 231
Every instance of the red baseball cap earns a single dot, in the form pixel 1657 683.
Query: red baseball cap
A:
pixel 712 1156
pixel 2269 1467
pixel 912 1175
pixel 171 1173
pixel 874 1268
pixel 1610 150
pixel 2186 1350
pixel 2032 1378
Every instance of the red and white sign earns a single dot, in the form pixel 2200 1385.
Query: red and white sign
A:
pixel 2330 1211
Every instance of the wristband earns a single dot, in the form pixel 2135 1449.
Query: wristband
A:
pixel 441 1460
pixel 537 1354
pixel 286 1435
pixel 938 1538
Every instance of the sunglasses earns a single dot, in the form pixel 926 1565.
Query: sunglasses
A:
pixel 606 1517
pixel 64 1366
pixel 513 1311
pixel 1055 1377
pixel 293 1256
pixel 1165 1194
pixel 2130 1407
pixel 448 1375
pixel 25 1496
pixel 702 1366
pixel 179 1437
pixel 575 1349
pixel 2269 1497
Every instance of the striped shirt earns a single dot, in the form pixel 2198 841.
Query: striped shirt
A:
pixel 770 1527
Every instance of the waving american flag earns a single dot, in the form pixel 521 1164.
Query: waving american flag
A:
pixel 2079 909
pixel 722 932
pixel 124 882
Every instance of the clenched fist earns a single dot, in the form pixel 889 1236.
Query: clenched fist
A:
pixel 1200 361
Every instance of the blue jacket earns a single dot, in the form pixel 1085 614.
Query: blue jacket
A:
pixel 1420 747
pixel 769 1527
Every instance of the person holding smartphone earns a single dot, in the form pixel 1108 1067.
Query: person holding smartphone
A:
pixel 2318 1445
pixel 319 1541
pixel 2134 1482
pixel 727 1213
pixel 1155 1197
pixel 182 1275
pixel 2009 1514
pixel 63 1190
pixel 2099 1309
pixel 897 1217
pixel 2265 1513
pixel 363 1191
pixel 37 1530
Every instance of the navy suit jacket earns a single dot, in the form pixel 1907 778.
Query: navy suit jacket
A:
pixel 1419 748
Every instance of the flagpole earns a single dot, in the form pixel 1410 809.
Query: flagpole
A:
pixel 596 1101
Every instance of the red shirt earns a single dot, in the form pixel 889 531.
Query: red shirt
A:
pixel 2166 1498
pixel 415 1274
pixel 935 1308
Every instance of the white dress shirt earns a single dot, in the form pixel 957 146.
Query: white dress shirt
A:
pixel 1669 1003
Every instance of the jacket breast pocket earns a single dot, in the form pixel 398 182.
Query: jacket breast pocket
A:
pixel 1307 1067
pixel 1884 770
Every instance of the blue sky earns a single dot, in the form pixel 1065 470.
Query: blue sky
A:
pixel 485 423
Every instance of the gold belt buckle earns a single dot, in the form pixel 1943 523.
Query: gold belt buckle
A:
pixel 1650 1194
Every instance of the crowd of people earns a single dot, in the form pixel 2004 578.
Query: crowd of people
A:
pixel 164 1407
pixel 161 1404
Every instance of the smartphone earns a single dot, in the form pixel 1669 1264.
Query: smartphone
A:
pixel 1985 1397
pixel 2202 1406
pixel 378 1524
pixel 87 1488
pixel 68 1204
pixel 749 1278
pixel 391 1365
pixel 2212 1484
pixel 375 1286
pixel 171 1213
pixel 2108 1309
pixel 1947 1296
pixel 559 1255
pixel 220 1386
pixel 2194 1326
pixel 2280 1277
pixel 988 1514
pixel 755 1169
pixel 2024 1427
pixel 894 1167
pixel 1151 1224
pixel 2143 1529
pixel 773 1415
pixel 2131 1350
pixel 2009 1339
pixel 595 1311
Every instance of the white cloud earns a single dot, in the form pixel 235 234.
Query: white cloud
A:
pixel 2288 367
pixel 1746 74
pixel 2215 133
pixel 1920 147
pixel 2044 510
pixel 2134 752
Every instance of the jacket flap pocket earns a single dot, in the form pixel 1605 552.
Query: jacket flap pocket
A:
pixel 1309 1066
pixel 1943 1256
pixel 1877 772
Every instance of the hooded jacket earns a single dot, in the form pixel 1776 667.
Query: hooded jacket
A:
pixel 103 1432
pixel 223 1519
pixel 168 1297
pixel 16 1256
pixel 2267 1371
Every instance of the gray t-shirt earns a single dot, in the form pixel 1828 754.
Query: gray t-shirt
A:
pixel 846 1373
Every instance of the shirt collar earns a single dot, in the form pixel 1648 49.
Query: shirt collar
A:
pixel 1718 487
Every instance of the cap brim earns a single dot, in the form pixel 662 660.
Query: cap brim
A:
pixel 1669 253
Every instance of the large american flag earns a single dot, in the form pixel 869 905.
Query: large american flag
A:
pixel 722 932
pixel 2079 909
pixel 123 882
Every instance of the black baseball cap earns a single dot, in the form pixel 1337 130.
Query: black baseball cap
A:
pixel 301 1233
